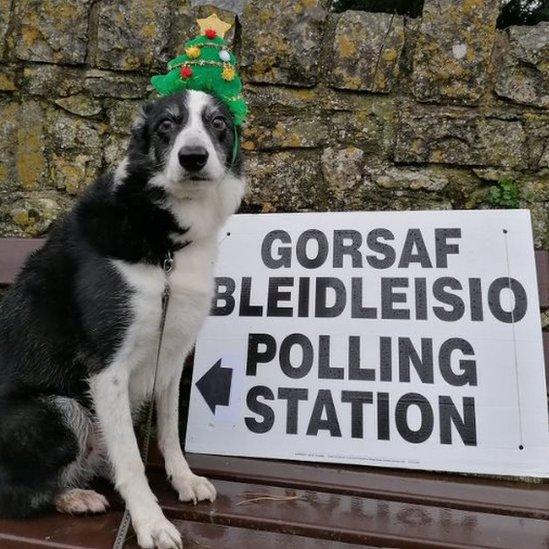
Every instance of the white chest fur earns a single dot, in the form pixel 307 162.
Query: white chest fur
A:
pixel 191 287
pixel 191 290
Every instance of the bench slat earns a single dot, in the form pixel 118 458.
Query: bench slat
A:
pixel 290 518
pixel 56 530
pixel 459 492
pixel 98 532
pixel 353 519
pixel 13 253
pixel 203 535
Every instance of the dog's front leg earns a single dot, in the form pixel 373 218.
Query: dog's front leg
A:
pixel 111 400
pixel 189 486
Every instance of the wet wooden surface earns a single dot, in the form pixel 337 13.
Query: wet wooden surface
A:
pixel 454 512
pixel 98 532
pixel 456 491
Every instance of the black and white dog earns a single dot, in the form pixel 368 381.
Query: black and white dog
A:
pixel 79 327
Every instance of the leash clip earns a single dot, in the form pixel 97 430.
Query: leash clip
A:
pixel 169 262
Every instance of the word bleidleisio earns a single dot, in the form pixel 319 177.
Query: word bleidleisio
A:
pixel 448 298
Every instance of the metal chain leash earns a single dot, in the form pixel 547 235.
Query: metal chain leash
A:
pixel 124 525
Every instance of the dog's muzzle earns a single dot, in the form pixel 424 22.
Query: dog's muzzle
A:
pixel 193 159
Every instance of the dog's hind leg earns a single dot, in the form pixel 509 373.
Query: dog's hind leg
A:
pixel 73 498
pixel 40 453
pixel 35 447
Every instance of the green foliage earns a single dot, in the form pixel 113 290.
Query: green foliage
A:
pixel 523 12
pixel 506 194
pixel 413 8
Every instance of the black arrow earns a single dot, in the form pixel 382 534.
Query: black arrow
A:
pixel 215 386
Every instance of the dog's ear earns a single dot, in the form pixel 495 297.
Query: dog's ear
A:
pixel 139 141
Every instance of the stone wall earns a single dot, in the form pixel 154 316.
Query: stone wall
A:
pixel 350 111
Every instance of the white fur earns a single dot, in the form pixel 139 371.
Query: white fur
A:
pixel 90 460
pixel 127 382
pixel 121 171
pixel 194 133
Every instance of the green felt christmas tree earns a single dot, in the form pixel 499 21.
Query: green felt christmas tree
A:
pixel 206 65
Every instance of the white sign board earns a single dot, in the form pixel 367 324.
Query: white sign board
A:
pixel 407 339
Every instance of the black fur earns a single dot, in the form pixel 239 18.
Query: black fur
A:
pixel 31 458
pixel 67 312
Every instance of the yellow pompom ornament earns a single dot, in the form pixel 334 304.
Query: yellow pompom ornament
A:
pixel 192 52
pixel 228 73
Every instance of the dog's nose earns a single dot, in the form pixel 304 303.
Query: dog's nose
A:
pixel 193 158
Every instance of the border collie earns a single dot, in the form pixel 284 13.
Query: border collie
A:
pixel 79 327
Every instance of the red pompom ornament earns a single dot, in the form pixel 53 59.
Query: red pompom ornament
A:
pixel 210 33
pixel 186 71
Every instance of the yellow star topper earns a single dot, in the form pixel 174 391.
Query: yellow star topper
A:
pixel 213 22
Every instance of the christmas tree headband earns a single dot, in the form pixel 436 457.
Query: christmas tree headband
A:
pixel 206 66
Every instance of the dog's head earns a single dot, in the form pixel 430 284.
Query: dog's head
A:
pixel 188 142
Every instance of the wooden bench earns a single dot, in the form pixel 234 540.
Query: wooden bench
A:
pixel 271 504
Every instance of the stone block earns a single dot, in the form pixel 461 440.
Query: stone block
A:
pixel 30 161
pixel 114 150
pixel 281 41
pixel 523 76
pixel 75 149
pixel 235 6
pixel 80 104
pixel 361 128
pixel 285 181
pixel 284 132
pixel 134 34
pixel 5 6
pixel 452 135
pixel 9 122
pixel 29 216
pixel 404 177
pixel 8 78
pixel 261 97
pixel 50 81
pixel 537 129
pixel 120 86
pixel 453 51
pixel 121 115
pixel 23 164
pixel 51 31
pixel 366 51
pixel 342 168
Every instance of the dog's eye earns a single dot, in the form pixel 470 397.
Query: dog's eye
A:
pixel 219 124
pixel 165 126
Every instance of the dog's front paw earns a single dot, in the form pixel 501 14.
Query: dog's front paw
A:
pixel 191 487
pixel 157 533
